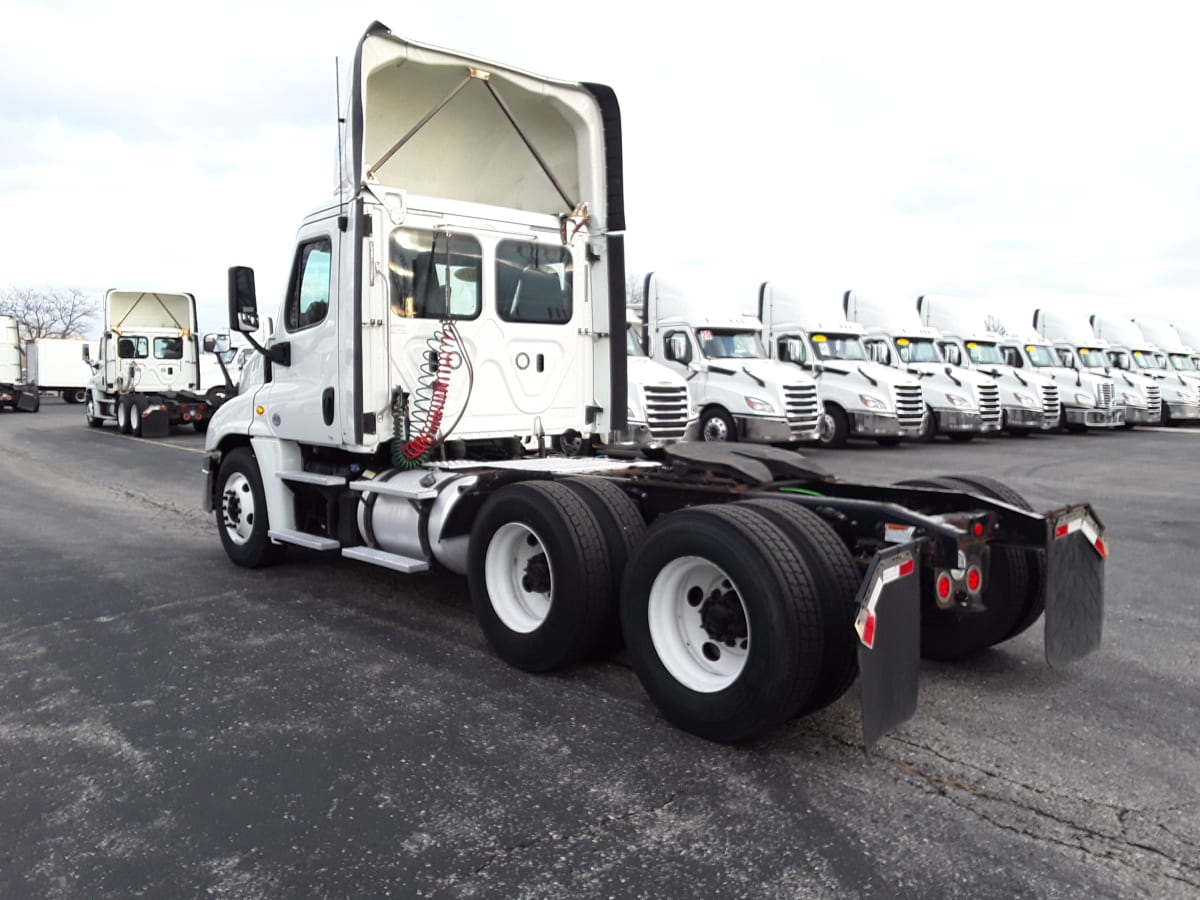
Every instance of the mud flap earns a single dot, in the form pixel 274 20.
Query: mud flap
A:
pixel 156 424
pixel 889 632
pixel 1075 554
pixel 27 402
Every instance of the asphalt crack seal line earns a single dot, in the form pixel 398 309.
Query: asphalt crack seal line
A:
pixel 126 437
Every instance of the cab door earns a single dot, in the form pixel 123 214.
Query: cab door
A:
pixel 302 401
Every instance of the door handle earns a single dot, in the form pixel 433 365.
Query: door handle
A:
pixel 327 405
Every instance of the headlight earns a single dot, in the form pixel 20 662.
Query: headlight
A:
pixel 871 402
pixel 1025 399
pixel 960 402
pixel 759 405
pixel 1085 400
pixel 629 413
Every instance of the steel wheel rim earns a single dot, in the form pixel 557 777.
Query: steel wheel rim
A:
pixel 237 508
pixel 825 435
pixel 122 415
pixel 512 575
pixel 683 644
pixel 88 412
pixel 715 430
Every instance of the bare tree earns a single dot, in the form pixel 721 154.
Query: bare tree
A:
pixel 56 312
pixel 992 323
pixel 634 289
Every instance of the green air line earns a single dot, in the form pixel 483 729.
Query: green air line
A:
pixel 804 491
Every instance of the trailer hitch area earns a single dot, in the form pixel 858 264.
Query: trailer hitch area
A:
pixel 889 634
pixel 1075 556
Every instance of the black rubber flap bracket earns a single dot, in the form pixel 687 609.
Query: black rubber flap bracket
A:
pixel 889 632
pixel 1075 554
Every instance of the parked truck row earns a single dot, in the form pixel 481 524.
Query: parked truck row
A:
pixel 453 318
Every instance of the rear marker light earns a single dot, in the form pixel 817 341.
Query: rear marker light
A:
pixel 943 586
pixel 974 579
pixel 978 529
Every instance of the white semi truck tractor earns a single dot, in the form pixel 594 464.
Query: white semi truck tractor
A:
pixel 1181 378
pixel 15 391
pixel 1085 397
pixel 959 403
pixel 743 394
pixel 1028 401
pixel 1079 347
pixel 462 298
pixel 661 407
pixel 146 374
pixel 1134 357
pixel 1189 334
pixel 860 398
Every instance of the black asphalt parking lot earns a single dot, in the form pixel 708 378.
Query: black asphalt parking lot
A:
pixel 173 726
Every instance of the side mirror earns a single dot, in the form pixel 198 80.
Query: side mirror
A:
pixel 216 343
pixel 243 303
pixel 793 350
pixel 87 354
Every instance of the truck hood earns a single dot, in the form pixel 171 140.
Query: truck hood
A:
pixel 409 102
pixel 769 370
pixel 885 375
pixel 643 371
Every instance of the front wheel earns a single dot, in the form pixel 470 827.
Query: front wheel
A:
pixel 928 428
pixel 722 622
pixel 834 426
pixel 717 425
pixel 241 509
pixel 89 411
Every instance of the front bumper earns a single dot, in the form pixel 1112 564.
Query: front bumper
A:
pixel 1181 411
pixel 876 425
pixel 1114 417
pixel 1140 415
pixel 764 430
pixel 953 420
pixel 638 434
pixel 1022 417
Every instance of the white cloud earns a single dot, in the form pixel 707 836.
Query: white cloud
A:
pixel 1042 150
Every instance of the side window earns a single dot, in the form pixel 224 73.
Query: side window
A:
pixel 308 293
pixel 168 348
pixel 1011 357
pixel 429 268
pixel 533 282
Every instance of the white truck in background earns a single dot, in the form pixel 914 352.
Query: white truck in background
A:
pixel 446 307
pixel 1028 401
pixel 15 392
pixel 742 393
pixel 1085 397
pixel 1181 361
pixel 1134 355
pixel 960 403
pixel 860 398
pixel 56 364
pixel 1189 334
pixel 1079 348
pixel 146 374
pixel 661 406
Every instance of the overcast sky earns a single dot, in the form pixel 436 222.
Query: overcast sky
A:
pixel 1019 154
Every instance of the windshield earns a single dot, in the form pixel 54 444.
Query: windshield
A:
pixel 984 354
pixel 834 346
pixel 727 344
pixel 1183 362
pixel 1092 358
pixel 1146 360
pixel 633 346
pixel 916 350
pixel 1041 355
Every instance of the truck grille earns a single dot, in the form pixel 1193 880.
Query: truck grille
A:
pixel 910 405
pixel 666 410
pixel 1104 396
pixel 802 407
pixel 1050 405
pixel 1154 401
pixel 989 403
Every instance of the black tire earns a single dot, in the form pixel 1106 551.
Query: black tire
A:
pixel 951 634
pixel 241 511
pixel 835 427
pixel 201 425
pixel 568 556
pixel 1165 418
pixel 717 425
pixel 929 428
pixel 1035 560
pixel 888 440
pixel 135 417
pixel 623 529
pixel 837 581
pixel 89 412
pixel 770 668
pixel 122 410
pixel 961 437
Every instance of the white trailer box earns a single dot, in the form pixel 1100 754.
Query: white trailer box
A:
pixel 14 391
pixel 56 364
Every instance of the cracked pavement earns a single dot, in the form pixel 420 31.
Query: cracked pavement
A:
pixel 171 726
